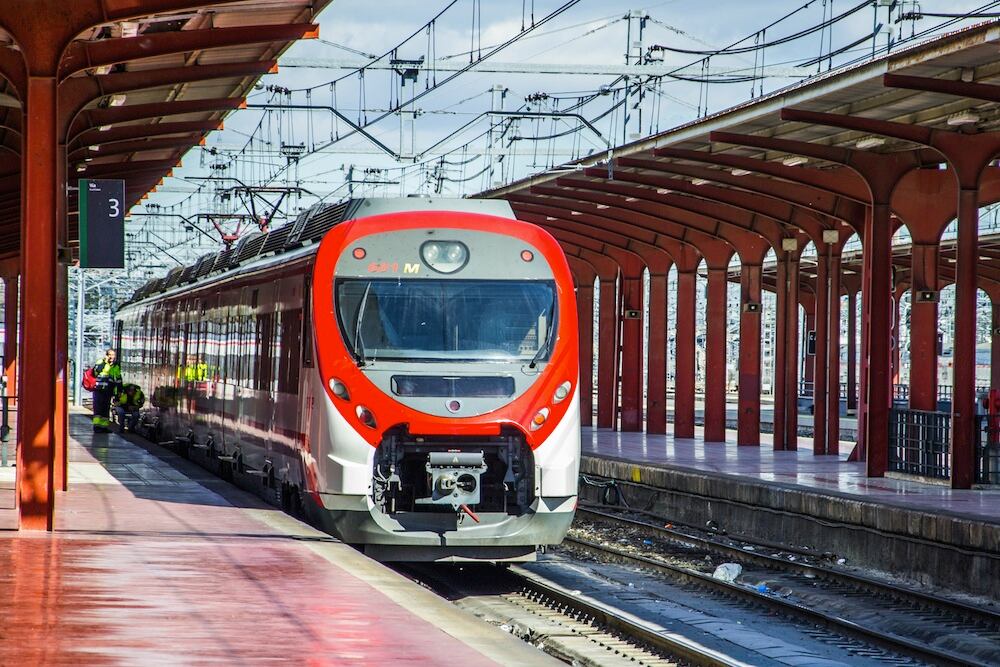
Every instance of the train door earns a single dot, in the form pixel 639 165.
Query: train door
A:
pixel 307 394
pixel 259 402
pixel 234 369
pixel 286 416
pixel 247 363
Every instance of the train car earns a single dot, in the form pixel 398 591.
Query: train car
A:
pixel 406 370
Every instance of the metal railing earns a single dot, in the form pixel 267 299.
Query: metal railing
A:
pixel 987 449
pixel 919 443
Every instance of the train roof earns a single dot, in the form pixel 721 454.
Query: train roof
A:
pixel 307 229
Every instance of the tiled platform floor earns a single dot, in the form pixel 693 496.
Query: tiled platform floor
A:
pixel 801 468
pixel 154 561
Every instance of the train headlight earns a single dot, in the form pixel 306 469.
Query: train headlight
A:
pixel 444 256
pixel 539 419
pixel 339 389
pixel 366 416
pixel 562 391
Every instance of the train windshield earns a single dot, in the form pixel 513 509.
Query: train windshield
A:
pixel 429 320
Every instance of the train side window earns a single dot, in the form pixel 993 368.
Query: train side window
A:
pixel 307 332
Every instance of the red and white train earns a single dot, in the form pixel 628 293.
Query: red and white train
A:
pixel 406 369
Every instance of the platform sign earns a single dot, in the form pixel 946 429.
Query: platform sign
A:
pixel 102 223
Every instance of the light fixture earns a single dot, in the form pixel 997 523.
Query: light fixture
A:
pixel 129 28
pixel 630 199
pixel 739 172
pixel 870 142
pixel 444 256
pixel 94 148
pixel 539 419
pixel 80 167
pixel 103 128
pixel 102 70
pixel 365 416
pixel 339 389
pixel 116 100
pixel 794 160
pixel 549 218
pixel 575 213
pixel 699 181
pixel 963 118
pixel 602 206
pixel 663 191
pixel 562 391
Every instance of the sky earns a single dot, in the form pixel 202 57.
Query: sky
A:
pixel 450 152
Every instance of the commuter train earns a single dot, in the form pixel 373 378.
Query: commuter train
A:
pixel 404 370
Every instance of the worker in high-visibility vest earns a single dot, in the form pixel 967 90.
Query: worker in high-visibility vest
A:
pixel 193 370
pixel 130 400
pixel 109 382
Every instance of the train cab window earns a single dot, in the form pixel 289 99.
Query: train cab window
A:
pixel 494 320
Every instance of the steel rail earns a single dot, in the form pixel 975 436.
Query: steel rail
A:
pixel 891 642
pixel 936 602
pixel 630 627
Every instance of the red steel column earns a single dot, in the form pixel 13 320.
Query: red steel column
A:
pixel 964 358
pixel 895 356
pixel 38 257
pixel 10 333
pixel 878 307
pixel 60 466
pixel 852 350
pixel 792 355
pixel 716 333
pixel 585 317
pixel 819 359
pixel 684 356
pixel 60 409
pixel 748 412
pixel 995 345
pixel 833 358
pixel 607 355
pixel 923 328
pixel 780 352
pixel 860 450
pixel 656 364
pixel 631 363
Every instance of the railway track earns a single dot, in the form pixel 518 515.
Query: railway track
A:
pixel 575 628
pixel 897 619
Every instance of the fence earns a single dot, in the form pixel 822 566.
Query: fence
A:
pixel 919 443
pixel 987 449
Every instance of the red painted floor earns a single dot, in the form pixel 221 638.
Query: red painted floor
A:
pixel 150 567
pixel 802 468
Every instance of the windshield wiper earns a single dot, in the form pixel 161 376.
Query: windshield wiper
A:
pixel 359 346
pixel 548 337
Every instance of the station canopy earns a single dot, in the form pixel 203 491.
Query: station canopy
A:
pixel 135 94
pixel 780 166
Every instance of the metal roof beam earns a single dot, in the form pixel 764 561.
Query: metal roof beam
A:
pixel 82 55
pixel 91 118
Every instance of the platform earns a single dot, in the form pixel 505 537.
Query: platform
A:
pixel 156 561
pixel 823 502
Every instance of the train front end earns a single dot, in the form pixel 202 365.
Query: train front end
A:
pixel 447 356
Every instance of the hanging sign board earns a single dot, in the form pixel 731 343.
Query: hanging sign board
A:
pixel 102 223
